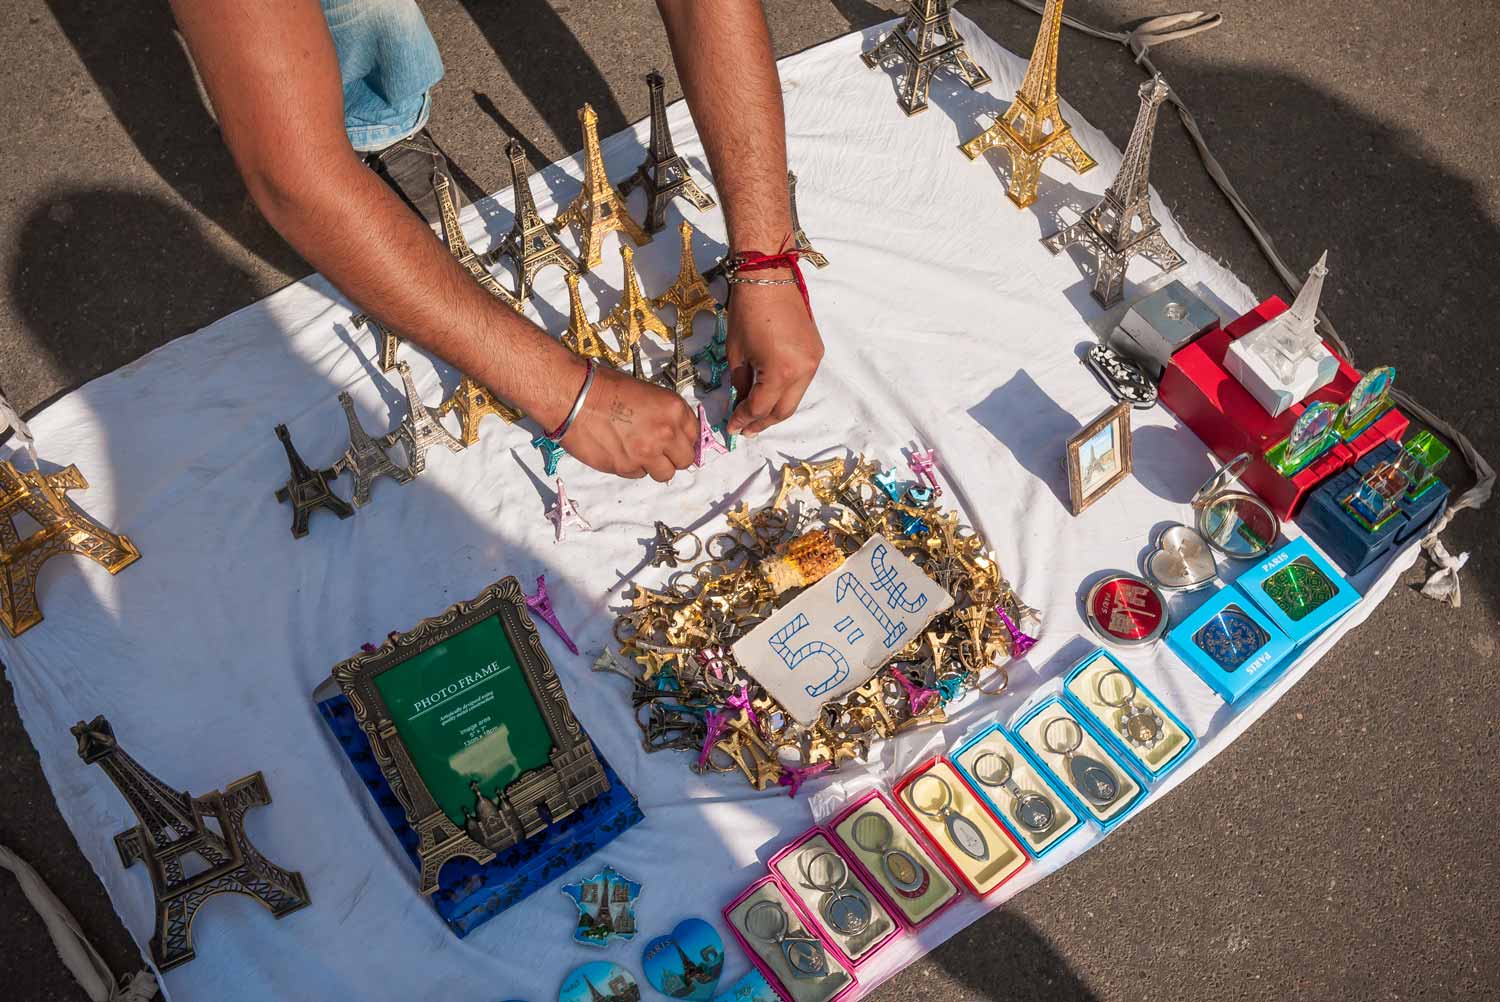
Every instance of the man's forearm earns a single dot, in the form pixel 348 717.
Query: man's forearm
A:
pixel 723 54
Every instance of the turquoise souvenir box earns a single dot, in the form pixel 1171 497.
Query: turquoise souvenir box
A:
pixel 1299 590
pixel 1027 732
pixel 1176 741
pixel 1231 644
pixel 997 807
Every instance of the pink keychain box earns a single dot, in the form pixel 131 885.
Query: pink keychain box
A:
pixel 811 920
pixel 814 929
pixel 869 878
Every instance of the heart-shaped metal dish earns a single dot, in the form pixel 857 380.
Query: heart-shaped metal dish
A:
pixel 1181 560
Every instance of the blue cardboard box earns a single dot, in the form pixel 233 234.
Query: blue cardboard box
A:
pixel 1314 593
pixel 1339 534
pixel 470 894
pixel 1090 683
pixel 1028 731
pixel 1029 776
pixel 1231 644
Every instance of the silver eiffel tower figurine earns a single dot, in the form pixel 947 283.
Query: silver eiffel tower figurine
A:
pixel 926 42
pixel 365 458
pixel 420 428
pixel 530 244
pixel 385 339
pixel 664 174
pixel 1121 225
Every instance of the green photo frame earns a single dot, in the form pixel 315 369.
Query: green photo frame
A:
pixel 469 723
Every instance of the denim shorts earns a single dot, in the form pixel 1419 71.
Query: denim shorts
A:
pixel 388 62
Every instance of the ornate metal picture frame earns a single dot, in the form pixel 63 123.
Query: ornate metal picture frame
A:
pixel 572 777
pixel 1098 461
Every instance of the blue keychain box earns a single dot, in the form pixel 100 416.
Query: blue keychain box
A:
pixel 1297 571
pixel 469 893
pixel 1231 644
pixel 1027 732
pixel 1028 774
pixel 1176 741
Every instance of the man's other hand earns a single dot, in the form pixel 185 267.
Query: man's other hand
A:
pixel 774 351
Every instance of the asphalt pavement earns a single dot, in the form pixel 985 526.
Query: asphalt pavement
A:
pixel 1342 848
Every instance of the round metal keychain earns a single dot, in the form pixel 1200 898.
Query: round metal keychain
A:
pixel 767 921
pixel 1141 725
pixel 961 831
pixel 1090 777
pixel 1035 812
pixel 903 873
pixel 844 909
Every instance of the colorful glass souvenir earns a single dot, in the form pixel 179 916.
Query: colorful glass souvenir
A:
pixel 606 908
pixel 1230 638
pixel 1370 398
pixel 1377 495
pixel 1419 459
pixel 1312 435
pixel 1126 611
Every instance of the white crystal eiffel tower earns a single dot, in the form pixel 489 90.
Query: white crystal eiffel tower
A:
pixel 1121 225
pixel 421 428
pixel 925 41
pixel 530 244
pixel 365 458
pixel 1284 361
pixel 458 244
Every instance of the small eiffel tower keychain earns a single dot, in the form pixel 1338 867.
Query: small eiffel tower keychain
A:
pixel 1141 725
pixel 767 921
pixel 962 832
pixel 1035 812
pixel 1090 777
pixel 845 909
pixel 873 833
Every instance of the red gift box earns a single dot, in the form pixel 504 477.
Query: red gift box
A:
pixel 1205 397
pixel 987 884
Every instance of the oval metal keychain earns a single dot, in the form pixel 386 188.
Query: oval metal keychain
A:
pixel 903 873
pixel 962 832
pixel 844 909
pixel 1035 812
pixel 767 921
pixel 1090 777
pixel 1141 725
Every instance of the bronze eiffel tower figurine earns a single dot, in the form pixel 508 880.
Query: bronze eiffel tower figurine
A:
pixel 632 315
pixel 458 244
pixel 171 827
pixel 926 41
pixel 308 489
pixel 473 401
pixel 689 292
pixel 421 428
pixel 582 336
pixel 63 528
pixel 599 207
pixel 1121 225
pixel 1032 129
pixel 385 339
pixel 529 244
pixel 365 457
pixel 663 175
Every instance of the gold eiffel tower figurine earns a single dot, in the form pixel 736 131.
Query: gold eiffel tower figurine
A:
pixel 473 401
pixel 459 247
pixel 582 336
pixel 599 207
pixel 385 338
pixel 529 244
pixel 633 315
pixel 64 528
pixel 689 293
pixel 1032 129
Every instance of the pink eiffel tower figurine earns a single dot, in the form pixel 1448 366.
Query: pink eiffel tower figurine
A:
pixel 924 466
pixel 564 512
pixel 540 605
pixel 708 439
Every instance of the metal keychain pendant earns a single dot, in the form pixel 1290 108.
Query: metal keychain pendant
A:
pixel 844 909
pixel 1035 812
pixel 903 873
pixel 1141 725
pixel 961 831
pixel 1090 777
pixel 804 954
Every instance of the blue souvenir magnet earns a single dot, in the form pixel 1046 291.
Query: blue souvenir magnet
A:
pixel 685 963
pixel 599 979
pixel 606 910
pixel 753 987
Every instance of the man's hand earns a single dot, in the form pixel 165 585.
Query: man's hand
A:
pixel 774 351
pixel 632 429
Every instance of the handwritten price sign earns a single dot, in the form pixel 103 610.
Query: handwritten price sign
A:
pixel 833 637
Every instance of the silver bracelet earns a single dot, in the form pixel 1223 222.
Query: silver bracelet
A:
pixel 583 394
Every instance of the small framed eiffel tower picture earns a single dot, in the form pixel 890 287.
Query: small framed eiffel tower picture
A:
pixel 472 730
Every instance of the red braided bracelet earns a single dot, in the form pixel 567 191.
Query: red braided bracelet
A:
pixel 787 257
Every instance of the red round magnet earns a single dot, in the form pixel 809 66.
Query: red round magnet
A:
pixel 1126 611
